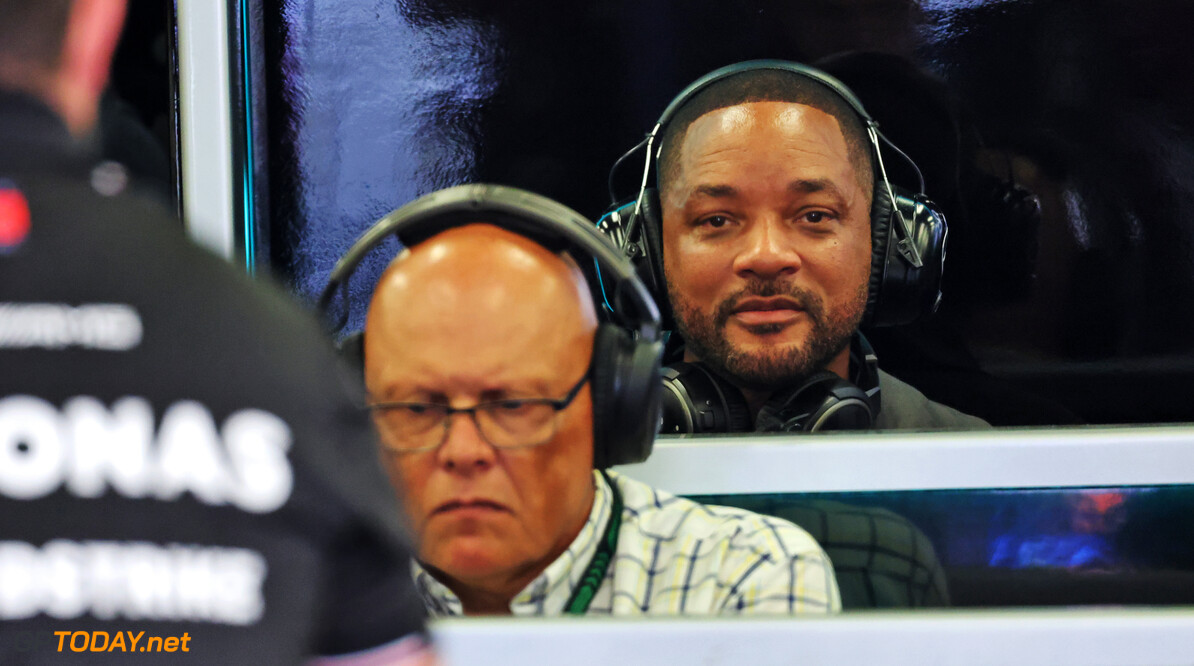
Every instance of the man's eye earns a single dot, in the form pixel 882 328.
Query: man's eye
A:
pixel 715 221
pixel 512 409
pixel 510 406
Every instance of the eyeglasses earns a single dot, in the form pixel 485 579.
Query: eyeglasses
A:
pixel 415 427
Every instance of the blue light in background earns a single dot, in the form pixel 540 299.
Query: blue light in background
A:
pixel 383 110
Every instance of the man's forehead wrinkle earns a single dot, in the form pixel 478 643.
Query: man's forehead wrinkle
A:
pixel 407 380
pixel 423 383
pixel 816 185
pixel 715 191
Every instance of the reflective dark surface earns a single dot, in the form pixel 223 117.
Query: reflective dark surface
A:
pixel 137 125
pixel 1071 546
pixel 1079 312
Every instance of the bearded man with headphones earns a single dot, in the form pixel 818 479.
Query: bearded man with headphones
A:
pixel 501 400
pixel 772 233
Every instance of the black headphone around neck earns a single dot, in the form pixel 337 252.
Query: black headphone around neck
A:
pixel 908 233
pixel 697 400
pixel 624 383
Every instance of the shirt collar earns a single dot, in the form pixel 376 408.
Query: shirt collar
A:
pixel 550 590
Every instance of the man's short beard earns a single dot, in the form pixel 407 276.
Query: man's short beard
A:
pixel 782 365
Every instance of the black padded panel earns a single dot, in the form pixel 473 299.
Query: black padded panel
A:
pixel 880 559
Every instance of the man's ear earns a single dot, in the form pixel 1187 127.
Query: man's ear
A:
pixel 92 32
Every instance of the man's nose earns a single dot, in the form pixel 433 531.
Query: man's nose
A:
pixel 769 252
pixel 464 448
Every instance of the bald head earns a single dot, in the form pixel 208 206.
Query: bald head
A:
pixel 480 287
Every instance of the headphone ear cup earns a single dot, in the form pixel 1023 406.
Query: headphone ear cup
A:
pixel 824 401
pixel 650 265
pixel 882 210
pixel 901 292
pixel 625 390
pixel 695 400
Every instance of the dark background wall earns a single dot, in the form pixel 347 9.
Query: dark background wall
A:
pixel 1081 314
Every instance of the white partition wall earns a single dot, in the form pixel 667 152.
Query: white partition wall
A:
pixel 205 127
pixel 1025 638
pixel 1039 458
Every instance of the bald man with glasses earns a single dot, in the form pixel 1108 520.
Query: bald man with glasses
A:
pixel 478 359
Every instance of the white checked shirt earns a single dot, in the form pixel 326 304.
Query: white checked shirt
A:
pixel 676 556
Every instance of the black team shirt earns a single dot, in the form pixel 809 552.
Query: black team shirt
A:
pixel 179 453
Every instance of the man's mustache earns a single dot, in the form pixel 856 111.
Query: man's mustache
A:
pixel 810 302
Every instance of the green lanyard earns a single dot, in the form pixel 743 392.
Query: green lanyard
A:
pixel 583 595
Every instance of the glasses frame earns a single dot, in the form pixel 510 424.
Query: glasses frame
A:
pixel 557 406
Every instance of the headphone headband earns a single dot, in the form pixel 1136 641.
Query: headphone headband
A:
pixel 755 65
pixel 624 367
pixel 655 149
pixel 542 220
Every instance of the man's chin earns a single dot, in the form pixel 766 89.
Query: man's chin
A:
pixel 468 559
pixel 766 366
pixel 766 340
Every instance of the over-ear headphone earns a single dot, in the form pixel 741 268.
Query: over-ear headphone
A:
pixel 696 400
pixel 994 220
pixel 908 233
pixel 625 382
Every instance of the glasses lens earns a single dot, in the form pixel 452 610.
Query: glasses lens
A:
pixel 411 426
pixel 516 422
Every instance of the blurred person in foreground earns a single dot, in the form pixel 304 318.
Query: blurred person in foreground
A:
pixel 489 377
pixel 183 472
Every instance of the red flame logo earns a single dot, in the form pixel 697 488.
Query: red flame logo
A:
pixel 14 217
